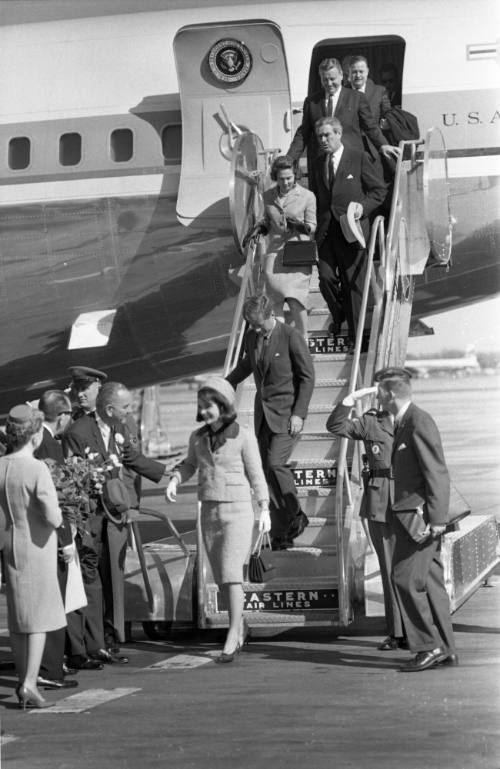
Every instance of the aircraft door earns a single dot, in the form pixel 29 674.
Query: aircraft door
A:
pixel 233 79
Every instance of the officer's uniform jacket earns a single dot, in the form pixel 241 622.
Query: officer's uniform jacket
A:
pixel 375 428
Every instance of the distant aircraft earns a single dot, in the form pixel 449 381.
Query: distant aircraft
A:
pixel 422 367
pixel 116 133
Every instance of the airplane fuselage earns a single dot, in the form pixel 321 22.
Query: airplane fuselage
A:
pixel 105 207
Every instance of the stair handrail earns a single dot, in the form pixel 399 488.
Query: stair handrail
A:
pixel 343 479
pixel 247 288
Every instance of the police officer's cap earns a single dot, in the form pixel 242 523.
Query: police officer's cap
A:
pixel 84 375
pixel 392 372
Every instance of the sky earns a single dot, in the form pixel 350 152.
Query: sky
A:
pixel 477 326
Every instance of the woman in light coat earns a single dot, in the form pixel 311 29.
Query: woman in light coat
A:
pixel 227 459
pixel 28 501
pixel 289 214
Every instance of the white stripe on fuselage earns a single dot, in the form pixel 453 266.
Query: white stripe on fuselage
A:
pixel 144 184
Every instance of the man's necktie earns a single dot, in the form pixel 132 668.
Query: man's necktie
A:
pixel 329 107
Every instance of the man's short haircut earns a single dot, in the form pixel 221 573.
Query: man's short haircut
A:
pixel 355 59
pixel 256 306
pixel 107 394
pixel 327 64
pixel 53 403
pixel 395 380
pixel 400 387
pixel 334 122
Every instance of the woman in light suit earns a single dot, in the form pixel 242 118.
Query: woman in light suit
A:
pixel 289 214
pixel 28 500
pixel 227 458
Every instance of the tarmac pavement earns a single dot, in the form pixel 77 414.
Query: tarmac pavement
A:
pixel 324 699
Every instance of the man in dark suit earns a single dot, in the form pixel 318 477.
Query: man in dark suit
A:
pixel 278 357
pixel 348 106
pixel 420 498
pixel 375 429
pixel 56 408
pixel 107 433
pixel 375 95
pixel 343 176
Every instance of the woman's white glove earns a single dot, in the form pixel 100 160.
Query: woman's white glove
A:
pixel 265 520
pixel 171 490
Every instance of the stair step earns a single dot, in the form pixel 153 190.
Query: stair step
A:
pixel 321 445
pixel 318 502
pixel 275 618
pixel 332 366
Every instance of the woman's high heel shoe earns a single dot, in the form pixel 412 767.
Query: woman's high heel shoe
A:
pixel 29 699
pixel 228 657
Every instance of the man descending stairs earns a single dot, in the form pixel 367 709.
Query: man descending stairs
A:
pixel 305 585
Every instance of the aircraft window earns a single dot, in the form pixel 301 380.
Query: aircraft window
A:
pixel 171 142
pixel 70 149
pixel 122 145
pixel 19 153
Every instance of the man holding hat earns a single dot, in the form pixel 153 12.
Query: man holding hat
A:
pixel 85 385
pixel 349 189
pixel 420 493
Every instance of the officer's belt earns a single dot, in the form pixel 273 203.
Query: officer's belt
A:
pixel 385 473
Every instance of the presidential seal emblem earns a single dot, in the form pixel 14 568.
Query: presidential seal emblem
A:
pixel 230 61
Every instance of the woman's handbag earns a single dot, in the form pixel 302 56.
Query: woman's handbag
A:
pixel 300 253
pixel 261 566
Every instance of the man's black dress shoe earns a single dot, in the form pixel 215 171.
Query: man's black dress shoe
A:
pixel 424 660
pixel 56 683
pixel 451 660
pixel 390 643
pixel 102 655
pixel 67 671
pixel 85 663
pixel 281 544
pixel 297 526
pixel 334 329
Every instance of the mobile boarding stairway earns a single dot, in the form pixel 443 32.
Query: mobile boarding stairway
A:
pixel 326 577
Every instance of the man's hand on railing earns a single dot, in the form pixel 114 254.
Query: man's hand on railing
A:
pixel 259 229
pixel 388 151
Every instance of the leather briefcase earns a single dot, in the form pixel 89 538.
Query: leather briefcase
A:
pixel 300 253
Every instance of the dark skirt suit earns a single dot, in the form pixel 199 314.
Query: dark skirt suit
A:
pixel 229 466
pixel 29 503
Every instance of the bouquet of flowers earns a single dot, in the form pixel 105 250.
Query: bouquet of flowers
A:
pixel 78 481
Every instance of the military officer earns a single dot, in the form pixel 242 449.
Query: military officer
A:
pixel 375 428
